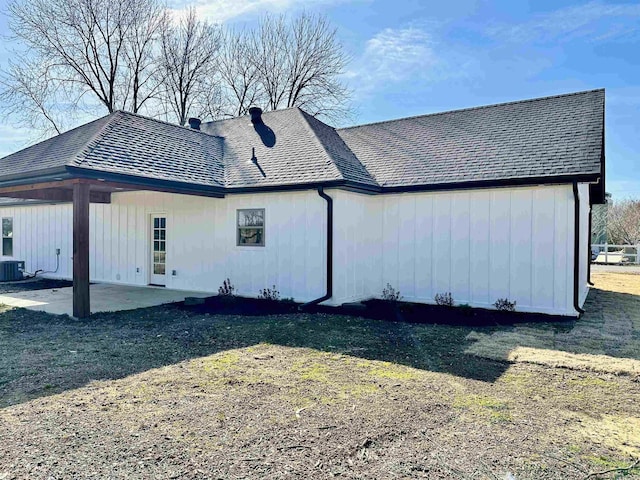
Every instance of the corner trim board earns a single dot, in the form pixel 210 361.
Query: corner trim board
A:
pixel 576 249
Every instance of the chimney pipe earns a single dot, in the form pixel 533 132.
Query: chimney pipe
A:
pixel 195 123
pixel 256 115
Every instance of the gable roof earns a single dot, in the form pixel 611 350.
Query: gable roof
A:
pixel 551 139
pixel 546 137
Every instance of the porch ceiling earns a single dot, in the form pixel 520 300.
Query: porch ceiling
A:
pixel 100 190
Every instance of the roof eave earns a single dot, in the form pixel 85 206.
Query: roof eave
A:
pixel 141 182
pixel 495 183
pixel 39 176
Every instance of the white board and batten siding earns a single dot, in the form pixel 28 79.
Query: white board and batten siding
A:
pixel 201 241
pixel 480 245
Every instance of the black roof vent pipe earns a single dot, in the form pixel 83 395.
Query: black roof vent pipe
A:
pixel 256 115
pixel 195 123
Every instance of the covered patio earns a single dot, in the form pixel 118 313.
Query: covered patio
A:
pixel 104 298
pixel 81 191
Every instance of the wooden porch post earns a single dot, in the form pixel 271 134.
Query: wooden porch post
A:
pixel 81 305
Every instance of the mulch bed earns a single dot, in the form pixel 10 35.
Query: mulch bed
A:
pixel 374 309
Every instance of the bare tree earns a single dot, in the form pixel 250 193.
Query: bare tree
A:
pixel 599 221
pixel 623 222
pixel 300 63
pixel 29 97
pixel 90 51
pixel 238 76
pixel 145 78
pixel 189 53
pixel 86 55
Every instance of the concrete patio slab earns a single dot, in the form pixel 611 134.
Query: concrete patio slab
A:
pixel 104 298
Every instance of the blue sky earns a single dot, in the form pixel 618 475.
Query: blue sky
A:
pixel 411 57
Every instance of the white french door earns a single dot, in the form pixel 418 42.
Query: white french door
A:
pixel 158 250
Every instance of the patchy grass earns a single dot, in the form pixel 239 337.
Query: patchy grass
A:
pixel 171 393
pixel 606 339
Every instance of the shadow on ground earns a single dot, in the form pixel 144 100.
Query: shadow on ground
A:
pixel 605 338
pixel 45 354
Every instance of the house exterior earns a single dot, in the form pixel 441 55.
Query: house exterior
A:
pixel 486 203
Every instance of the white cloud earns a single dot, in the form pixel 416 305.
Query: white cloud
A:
pixel 397 54
pixel 595 20
pixel 393 56
pixel 220 11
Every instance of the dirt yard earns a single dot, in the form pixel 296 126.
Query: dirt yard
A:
pixel 170 393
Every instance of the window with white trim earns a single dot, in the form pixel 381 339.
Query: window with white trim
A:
pixel 7 237
pixel 250 227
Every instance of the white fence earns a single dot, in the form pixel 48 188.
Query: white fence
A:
pixel 615 254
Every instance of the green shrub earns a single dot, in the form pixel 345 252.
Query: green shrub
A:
pixel 390 294
pixel 227 289
pixel 504 305
pixel 270 294
pixel 444 299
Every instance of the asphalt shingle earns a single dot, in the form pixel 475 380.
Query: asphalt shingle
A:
pixel 546 137
pixel 286 148
pixel 552 136
pixel 134 145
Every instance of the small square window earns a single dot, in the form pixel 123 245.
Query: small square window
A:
pixel 250 226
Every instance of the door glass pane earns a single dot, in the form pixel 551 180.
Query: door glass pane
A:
pixel 7 227
pixel 7 247
pixel 159 246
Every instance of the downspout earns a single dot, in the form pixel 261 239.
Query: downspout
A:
pixel 576 250
pixel 589 247
pixel 329 293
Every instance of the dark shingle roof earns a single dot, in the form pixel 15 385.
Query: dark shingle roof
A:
pixel 291 147
pixel 134 145
pixel 551 137
pixel 340 154
pixel 546 137
pixel 54 152
pixel 126 143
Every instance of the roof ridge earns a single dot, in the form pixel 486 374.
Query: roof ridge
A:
pixel 479 107
pixel 79 157
pixel 164 122
pixel 267 112
pixel 304 114
pixel 308 116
